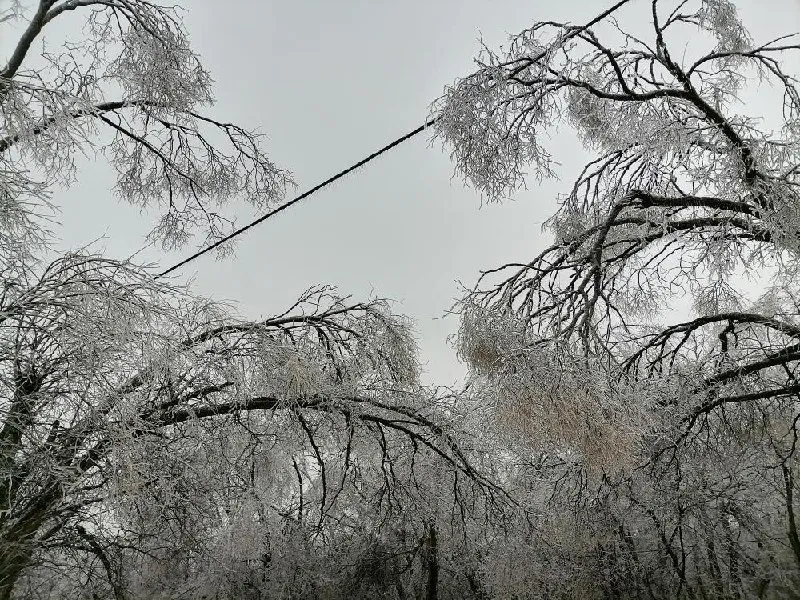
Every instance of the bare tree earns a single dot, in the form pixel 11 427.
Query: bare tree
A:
pixel 118 389
pixel 678 437
pixel 142 428
pixel 133 90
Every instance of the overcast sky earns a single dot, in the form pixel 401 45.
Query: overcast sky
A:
pixel 329 82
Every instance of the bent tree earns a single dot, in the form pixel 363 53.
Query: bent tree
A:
pixel 150 440
pixel 650 355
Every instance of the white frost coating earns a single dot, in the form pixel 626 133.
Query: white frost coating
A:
pixel 160 67
pixel 682 200
pixel 134 82
pixel 487 340
pixel 476 115
pixel 721 18
pixel 560 402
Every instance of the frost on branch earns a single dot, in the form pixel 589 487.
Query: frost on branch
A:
pixel 722 20
pixel 555 399
pixel 133 90
pixel 682 195
pixel 658 400
pixel 487 340
pixel 157 66
pixel 493 133
pixel 153 443
pixel 158 416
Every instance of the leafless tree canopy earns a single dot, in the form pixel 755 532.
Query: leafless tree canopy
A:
pixel 151 442
pixel 630 424
pixel 681 431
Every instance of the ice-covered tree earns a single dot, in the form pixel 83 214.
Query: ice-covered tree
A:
pixel 149 439
pixel 661 394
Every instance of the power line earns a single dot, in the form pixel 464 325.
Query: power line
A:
pixel 572 33
pixel 297 199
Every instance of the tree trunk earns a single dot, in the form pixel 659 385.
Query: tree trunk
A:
pixel 794 537
pixel 13 560
pixel 432 555
pixel 18 538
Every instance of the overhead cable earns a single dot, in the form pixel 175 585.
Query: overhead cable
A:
pixel 297 199
pixel 572 32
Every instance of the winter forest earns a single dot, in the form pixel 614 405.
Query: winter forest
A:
pixel 612 439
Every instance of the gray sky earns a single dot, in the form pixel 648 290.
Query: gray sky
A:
pixel 330 82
